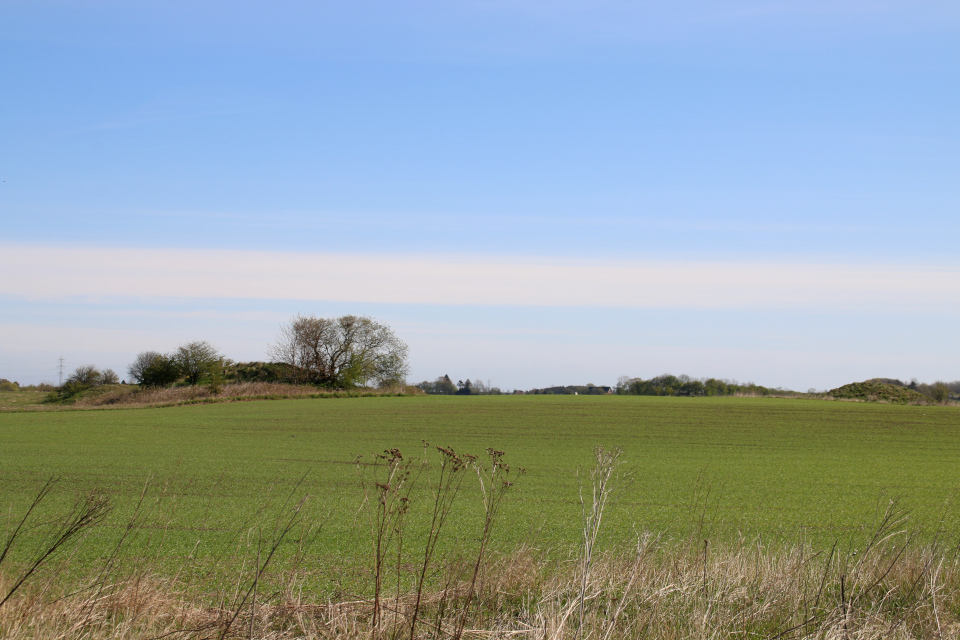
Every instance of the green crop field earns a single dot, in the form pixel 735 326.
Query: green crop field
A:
pixel 217 476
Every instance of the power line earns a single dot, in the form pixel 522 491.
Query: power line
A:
pixel 60 384
pixel 47 369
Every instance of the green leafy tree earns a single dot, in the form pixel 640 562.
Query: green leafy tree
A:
pixel 162 371
pixel 940 392
pixel 445 385
pixel 141 364
pixel 197 360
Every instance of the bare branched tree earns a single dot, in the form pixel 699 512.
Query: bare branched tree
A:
pixel 342 352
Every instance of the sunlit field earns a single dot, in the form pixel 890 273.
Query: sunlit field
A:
pixel 197 493
pixel 736 466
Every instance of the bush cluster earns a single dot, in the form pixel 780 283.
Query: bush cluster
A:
pixel 190 363
pixel 670 385
pixel 83 378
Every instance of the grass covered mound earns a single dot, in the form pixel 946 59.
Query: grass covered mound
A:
pixel 136 396
pixel 21 400
pixel 876 391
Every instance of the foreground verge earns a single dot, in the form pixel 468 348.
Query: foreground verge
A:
pixel 652 591
pixel 884 584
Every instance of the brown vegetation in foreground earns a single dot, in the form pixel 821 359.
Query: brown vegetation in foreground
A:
pixel 657 591
pixel 887 586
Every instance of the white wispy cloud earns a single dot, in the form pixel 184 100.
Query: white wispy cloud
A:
pixel 52 271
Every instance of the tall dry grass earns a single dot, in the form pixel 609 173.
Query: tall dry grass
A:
pixel 656 591
pixel 884 585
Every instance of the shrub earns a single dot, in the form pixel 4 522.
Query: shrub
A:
pixel 261 372
pixel 141 364
pixel 196 360
pixel 162 371
pixel 940 392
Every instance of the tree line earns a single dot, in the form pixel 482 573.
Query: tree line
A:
pixel 668 385
pixel 683 385
pixel 357 351
pixel 573 390
pixel 446 387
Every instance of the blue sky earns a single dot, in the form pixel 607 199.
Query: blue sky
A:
pixel 530 193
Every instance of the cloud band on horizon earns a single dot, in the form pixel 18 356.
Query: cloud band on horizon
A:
pixel 59 271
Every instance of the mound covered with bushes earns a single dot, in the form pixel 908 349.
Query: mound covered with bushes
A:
pixel 876 391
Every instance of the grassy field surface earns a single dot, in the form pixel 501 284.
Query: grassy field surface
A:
pixel 719 469
pixel 22 400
